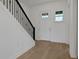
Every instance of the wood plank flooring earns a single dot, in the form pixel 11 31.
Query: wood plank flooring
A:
pixel 47 50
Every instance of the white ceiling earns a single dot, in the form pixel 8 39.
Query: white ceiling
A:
pixel 36 2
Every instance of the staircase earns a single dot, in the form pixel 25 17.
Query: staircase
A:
pixel 17 11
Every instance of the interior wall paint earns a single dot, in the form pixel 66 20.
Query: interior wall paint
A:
pixel 14 40
pixel 60 31
pixel 73 28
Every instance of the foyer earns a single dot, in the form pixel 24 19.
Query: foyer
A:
pixel 38 29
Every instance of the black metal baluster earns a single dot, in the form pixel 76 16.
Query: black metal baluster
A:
pixel 10 5
pixel 27 25
pixel 7 4
pixel 3 2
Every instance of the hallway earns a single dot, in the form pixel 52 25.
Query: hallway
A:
pixel 38 29
pixel 47 50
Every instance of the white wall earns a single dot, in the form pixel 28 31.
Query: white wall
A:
pixel 14 40
pixel 59 31
pixel 73 28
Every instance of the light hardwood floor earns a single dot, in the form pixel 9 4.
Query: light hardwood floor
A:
pixel 47 50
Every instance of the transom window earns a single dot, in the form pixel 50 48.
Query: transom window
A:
pixel 44 15
pixel 59 16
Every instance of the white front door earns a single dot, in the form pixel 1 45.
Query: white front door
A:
pixel 44 29
pixel 60 29
pixel 56 31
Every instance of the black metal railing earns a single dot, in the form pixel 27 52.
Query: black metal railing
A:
pixel 18 12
